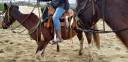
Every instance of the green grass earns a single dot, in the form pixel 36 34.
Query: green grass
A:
pixel 1 6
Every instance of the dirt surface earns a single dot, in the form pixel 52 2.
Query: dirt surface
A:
pixel 15 47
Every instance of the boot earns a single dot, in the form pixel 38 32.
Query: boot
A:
pixel 59 36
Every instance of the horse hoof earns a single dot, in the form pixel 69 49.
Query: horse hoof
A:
pixel 53 42
pixel 80 54
pixel 13 31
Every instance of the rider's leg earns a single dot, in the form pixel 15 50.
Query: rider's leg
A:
pixel 56 20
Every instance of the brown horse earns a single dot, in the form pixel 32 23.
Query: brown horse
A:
pixel 113 12
pixel 71 13
pixel 41 32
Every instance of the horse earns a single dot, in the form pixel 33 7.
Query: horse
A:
pixel 41 32
pixel 113 12
pixel 50 11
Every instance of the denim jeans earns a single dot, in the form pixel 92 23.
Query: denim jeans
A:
pixel 56 18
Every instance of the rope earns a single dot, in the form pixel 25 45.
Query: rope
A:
pixel 39 22
pixel 33 28
pixel 24 19
pixel 100 31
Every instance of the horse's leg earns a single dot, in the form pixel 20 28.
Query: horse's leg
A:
pixel 42 53
pixel 89 37
pixel 38 49
pixel 58 48
pixel 43 47
pixel 38 52
pixel 81 39
pixel 96 38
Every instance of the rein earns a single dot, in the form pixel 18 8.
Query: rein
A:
pixel 25 18
pixel 33 28
pixel 22 21
pixel 100 31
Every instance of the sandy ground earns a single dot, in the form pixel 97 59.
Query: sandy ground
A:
pixel 15 47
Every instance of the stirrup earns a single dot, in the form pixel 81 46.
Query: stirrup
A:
pixel 55 40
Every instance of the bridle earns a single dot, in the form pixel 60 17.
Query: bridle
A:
pixel 9 17
pixel 6 12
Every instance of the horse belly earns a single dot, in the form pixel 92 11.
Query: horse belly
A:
pixel 67 33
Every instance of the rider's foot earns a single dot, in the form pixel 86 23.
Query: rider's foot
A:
pixel 55 41
pixel 57 37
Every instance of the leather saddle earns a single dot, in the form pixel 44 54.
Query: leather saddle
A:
pixel 48 12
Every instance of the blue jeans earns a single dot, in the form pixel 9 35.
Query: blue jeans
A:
pixel 56 18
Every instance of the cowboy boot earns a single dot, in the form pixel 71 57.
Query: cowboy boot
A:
pixel 59 36
pixel 54 40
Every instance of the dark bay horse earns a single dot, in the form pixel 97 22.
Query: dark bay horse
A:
pixel 113 12
pixel 38 31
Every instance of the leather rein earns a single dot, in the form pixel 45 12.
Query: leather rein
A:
pixel 31 30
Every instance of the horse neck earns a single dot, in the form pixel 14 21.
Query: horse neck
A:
pixel 27 20
pixel 79 2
